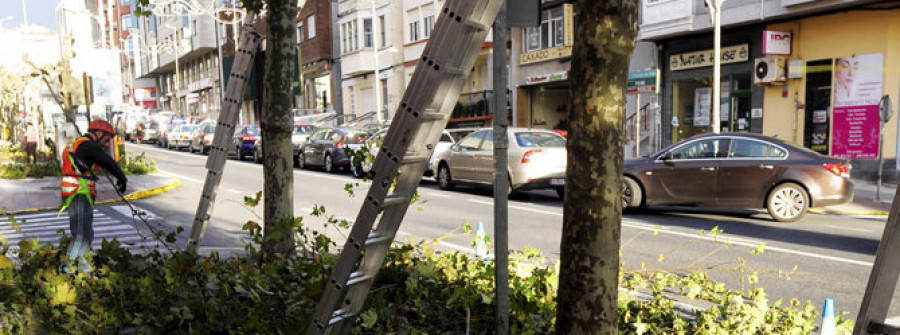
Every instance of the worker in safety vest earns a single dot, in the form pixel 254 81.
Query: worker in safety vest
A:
pixel 82 158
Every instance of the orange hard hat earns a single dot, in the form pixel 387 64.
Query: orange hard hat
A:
pixel 101 126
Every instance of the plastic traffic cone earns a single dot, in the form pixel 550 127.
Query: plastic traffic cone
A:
pixel 481 248
pixel 828 325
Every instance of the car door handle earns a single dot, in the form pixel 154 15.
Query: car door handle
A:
pixel 766 166
pixel 708 168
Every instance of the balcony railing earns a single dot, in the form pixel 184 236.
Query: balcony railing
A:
pixel 473 106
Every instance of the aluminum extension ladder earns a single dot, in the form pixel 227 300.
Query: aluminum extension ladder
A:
pixel 218 152
pixel 415 129
pixel 882 280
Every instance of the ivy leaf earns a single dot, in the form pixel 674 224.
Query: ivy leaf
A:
pixel 25 247
pixel 5 263
pixel 254 200
pixel 64 294
pixel 369 318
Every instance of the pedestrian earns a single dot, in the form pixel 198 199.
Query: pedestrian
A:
pixel 82 158
pixel 31 139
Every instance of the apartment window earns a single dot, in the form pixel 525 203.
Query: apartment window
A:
pixel 429 25
pixel 368 33
pixel 311 26
pixel 349 37
pixel 355 35
pixel 381 31
pixel 551 32
pixel 414 31
pixel 299 32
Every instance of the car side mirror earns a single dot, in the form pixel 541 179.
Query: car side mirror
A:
pixel 454 147
pixel 667 157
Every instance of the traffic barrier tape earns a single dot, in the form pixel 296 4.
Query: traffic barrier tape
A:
pixel 132 196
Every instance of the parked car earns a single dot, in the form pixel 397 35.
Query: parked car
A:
pixel 202 137
pixel 361 167
pixel 298 137
pixel 165 129
pixel 180 137
pixel 131 120
pixel 738 170
pixel 537 160
pixel 146 131
pixel 243 140
pixel 325 147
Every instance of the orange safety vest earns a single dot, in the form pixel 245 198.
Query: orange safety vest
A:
pixel 75 181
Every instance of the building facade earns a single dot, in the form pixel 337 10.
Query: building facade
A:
pixel 808 72
pixel 314 40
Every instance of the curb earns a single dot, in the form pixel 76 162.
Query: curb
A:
pixel 847 212
pixel 132 196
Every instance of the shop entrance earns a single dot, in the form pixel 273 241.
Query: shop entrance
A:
pixel 818 106
pixel 737 116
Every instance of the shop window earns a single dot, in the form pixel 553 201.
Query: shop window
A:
pixel 691 107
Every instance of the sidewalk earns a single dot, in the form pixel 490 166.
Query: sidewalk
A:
pixel 29 195
pixel 864 201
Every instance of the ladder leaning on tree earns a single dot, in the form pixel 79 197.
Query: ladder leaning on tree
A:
pixel 432 93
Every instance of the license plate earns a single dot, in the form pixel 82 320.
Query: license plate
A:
pixel 557 181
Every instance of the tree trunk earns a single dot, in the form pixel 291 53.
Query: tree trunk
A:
pixel 592 217
pixel 277 124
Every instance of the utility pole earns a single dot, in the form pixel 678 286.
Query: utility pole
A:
pixel 338 100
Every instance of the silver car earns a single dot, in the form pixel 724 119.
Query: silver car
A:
pixel 537 160
pixel 360 166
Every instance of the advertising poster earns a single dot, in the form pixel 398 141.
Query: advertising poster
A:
pixel 702 106
pixel 857 89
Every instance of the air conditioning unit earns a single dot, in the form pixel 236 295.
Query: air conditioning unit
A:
pixel 769 70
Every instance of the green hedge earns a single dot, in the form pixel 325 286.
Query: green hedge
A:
pixel 418 290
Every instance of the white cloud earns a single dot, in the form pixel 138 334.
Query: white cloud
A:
pixel 40 43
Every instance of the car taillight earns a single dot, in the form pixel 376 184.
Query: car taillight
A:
pixel 140 127
pixel 248 138
pixel 526 158
pixel 340 142
pixel 838 169
pixel 207 137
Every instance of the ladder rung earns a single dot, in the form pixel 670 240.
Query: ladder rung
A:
pixel 433 116
pixel 415 159
pixel 477 25
pixel 339 315
pixel 376 238
pixel 452 70
pixel 395 200
pixel 358 277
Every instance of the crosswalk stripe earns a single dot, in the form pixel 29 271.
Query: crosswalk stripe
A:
pixel 45 227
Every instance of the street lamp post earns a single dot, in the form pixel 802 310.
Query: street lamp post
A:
pixel 715 9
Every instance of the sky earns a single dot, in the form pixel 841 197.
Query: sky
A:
pixel 40 12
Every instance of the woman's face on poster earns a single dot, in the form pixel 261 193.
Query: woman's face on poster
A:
pixel 845 70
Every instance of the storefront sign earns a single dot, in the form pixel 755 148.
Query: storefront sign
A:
pixel 545 55
pixel 568 24
pixel 691 60
pixel 642 81
pixel 776 42
pixel 545 78
pixel 857 90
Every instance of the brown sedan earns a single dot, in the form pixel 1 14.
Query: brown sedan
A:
pixel 738 170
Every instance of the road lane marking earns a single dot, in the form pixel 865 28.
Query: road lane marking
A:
pixel 180 176
pixel 849 229
pixel 725 238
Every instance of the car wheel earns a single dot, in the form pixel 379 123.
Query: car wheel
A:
pixel 329 164
pixel 632 196
pixel 788 202
pixel 356 169
pixel 561 192
pixel 445 181
pixel 301 160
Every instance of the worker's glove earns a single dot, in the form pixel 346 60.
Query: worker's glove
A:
pixel 120 185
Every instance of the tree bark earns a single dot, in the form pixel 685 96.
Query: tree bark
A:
pixel 592 216
pixel 277 124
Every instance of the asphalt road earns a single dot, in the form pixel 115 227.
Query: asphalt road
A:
pixel 821 256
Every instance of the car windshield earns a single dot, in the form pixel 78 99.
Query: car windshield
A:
pixel 539 139
pixel 302 128
pixel 188 127
pixel 252 130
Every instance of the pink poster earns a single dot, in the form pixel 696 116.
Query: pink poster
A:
pixel 857 89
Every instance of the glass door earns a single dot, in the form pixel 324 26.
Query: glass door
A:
pixel 738 119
